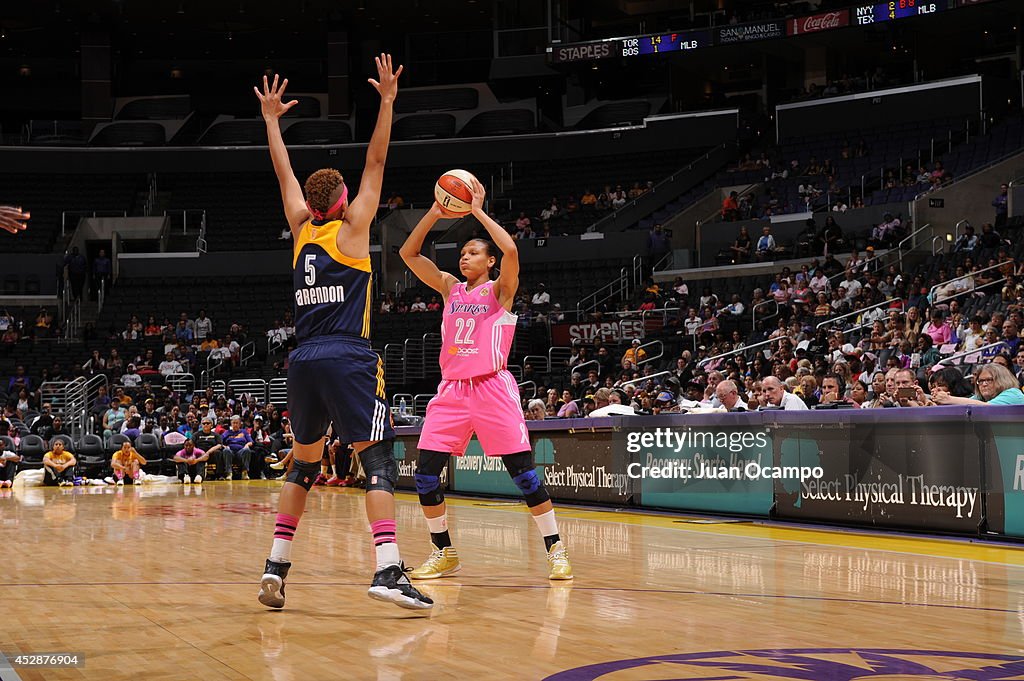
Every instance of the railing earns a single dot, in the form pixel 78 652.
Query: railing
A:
pixel 956 231
pixel 516 371
pixel 432 346
pixel 246 352
pixel 256 387
pixel 579 367
pixel 745 348
pixel 181 383
pixel 396 400
pixel 92 393
pixel 219 387
pixel 638 272
pixel 88 214
pixel 147 209
pixel 420 402
pixel 201 239
pixel 274 344
pixel 197 220
pixel 650 357
pixel 101 296
pixel 753 311
pixel 528 390
pixel 861 311
pixel 72 318
pixel 558 356
pixel 616 287
pixel 931 293
pixel 644 379
pixel 967 353
pixel 910 237
pixel 213 363
pixel 394 364
pixel 539 363
pixel 277 392
pixel 412 350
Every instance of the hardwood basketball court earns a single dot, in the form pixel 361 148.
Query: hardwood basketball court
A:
pixel 160 582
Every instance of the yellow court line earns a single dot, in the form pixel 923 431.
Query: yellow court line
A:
pixel 856 538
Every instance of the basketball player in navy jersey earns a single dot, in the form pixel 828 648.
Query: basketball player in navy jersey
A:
pixel 334 375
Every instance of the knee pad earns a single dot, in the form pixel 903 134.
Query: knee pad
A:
pixel 379 464
pixel 303 473
pixel 524 475
pixel 428 477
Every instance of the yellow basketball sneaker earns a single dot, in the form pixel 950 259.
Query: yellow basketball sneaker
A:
pixel 558 559
pixel 441 563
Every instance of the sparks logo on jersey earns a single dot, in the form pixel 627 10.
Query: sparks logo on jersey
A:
pixel 485 292
pixel 468 308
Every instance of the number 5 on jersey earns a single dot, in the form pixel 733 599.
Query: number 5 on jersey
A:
pixel 310 269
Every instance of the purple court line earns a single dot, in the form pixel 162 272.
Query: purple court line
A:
pixel 679 592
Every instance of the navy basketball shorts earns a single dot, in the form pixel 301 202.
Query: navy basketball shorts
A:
pixel 337 379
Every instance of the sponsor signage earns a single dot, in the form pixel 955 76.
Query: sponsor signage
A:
pixel 747 33
pixel 818 22
pixel 888 475
pixel 588 332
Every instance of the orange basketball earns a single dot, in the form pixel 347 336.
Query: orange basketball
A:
pixel 454 191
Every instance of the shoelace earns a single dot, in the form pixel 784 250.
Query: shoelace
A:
pixel 559 556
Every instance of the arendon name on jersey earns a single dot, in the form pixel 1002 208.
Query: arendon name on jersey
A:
pixel 319 295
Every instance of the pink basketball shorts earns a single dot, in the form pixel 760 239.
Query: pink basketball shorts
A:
pixel 487 406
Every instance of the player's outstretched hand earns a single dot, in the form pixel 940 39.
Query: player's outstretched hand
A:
pixel 479 194
pixel 442 212
pixel 270 99
pixel 13 219
pixel 387 85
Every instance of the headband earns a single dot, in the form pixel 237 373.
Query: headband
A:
pixel 317 215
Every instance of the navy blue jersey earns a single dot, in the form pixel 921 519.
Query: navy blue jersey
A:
pixel 332 290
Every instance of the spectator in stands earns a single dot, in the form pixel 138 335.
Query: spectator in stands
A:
pixel 183 333
pixel 938 329
pixel 1000 204
pixel 541 300
pixel 994 385
pixel 203 326
pixel 731 207
pixel 43 423
pixel 535 411
pixel 765 244
pixel 776 395
pixel 966 242
pixel 729 396
pixel 658 242
pixel 634 354
pixel 127 462
pixel 619 199
pixel 990 238
pixel 59 466
pixel 395 201
pixel 208 440
pixel 113 418
pixel 1011 341
pixel 238 445
pixel 77 269
pixel 418 305
pixel 170 366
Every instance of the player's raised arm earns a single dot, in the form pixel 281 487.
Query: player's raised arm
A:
pixel 422 266
pixel 13 219
pixel 364 207
pixel 295 209
pixel 508 280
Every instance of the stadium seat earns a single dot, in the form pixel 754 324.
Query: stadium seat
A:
pixel 7 444
pixel 32 450
pixel 115 441
pixel 148 445
pixel 89 452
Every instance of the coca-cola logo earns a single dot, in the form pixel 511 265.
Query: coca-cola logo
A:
pixel 819 22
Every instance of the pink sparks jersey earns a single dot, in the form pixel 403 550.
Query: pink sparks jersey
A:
pixel 476 333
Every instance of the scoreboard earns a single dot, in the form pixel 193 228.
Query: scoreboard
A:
pixel 631 47
pixel 895 9
pixel 686 41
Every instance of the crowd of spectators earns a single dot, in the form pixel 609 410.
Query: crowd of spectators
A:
pixel 843 333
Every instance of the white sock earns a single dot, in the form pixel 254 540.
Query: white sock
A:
pixel 387 554
pixel 439 524
pixel 281 551
pixel 546 523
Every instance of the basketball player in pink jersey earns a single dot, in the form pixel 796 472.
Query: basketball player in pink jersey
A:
pixel 477 394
